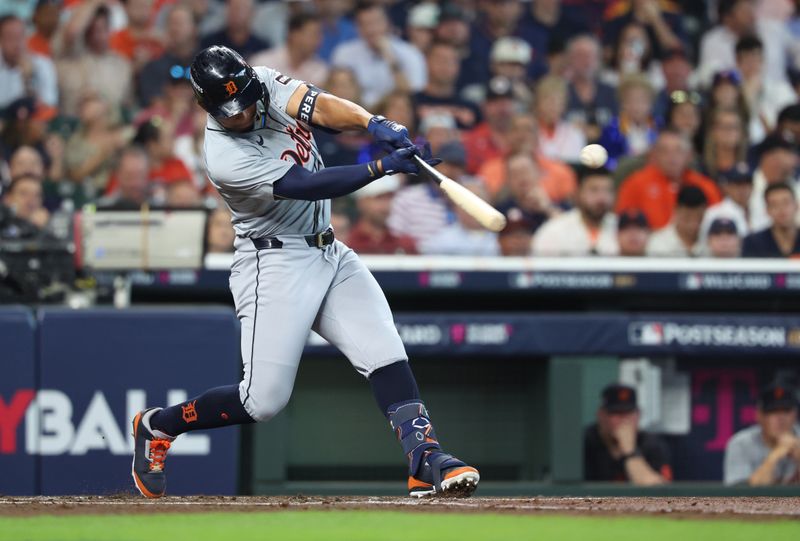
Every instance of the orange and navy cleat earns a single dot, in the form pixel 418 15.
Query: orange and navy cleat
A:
pixel 149 453
pixel 445 476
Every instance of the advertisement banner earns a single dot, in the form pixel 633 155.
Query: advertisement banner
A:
pixel 18 473
pixel 99 367
pixel 593 334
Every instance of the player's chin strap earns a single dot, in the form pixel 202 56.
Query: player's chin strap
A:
pixel 413 427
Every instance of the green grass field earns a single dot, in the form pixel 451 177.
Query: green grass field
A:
pixel 383 525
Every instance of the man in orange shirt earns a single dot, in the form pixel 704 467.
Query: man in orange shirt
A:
pixel 139 41
pixel 492 137
pixel 654 189
pixel 45 21
pixel 557 179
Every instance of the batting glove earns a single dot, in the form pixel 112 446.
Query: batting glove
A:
pixel 388 133
pixel 402 160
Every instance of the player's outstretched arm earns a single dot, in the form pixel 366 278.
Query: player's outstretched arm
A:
pixel 300 183
pixel 318 108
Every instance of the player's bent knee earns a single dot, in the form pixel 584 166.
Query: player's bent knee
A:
pixel 265 408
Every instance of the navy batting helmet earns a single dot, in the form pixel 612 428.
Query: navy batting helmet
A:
pixel 224 84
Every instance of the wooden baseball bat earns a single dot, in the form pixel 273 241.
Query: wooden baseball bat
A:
pixel 483 212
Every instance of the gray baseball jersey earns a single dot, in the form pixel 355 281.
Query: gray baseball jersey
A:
pixel 244 166
pixel 282 293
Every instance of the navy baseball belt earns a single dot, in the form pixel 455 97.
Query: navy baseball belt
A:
pixel 317 240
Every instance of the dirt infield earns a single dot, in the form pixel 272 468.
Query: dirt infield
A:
pixel 737 507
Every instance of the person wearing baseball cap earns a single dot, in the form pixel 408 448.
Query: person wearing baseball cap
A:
pixel 516 238
pixel 767 453
pixel 633 233
pixel 778 161
pixel 737 186
pixel 723 239
pixel 491 138
pixel 615 449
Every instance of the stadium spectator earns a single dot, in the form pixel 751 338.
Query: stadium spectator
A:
pixel 496 19
pixel 592 103
pixel 371 234
pixel 189 149
pixel 45 22
pixel 684 114
pixel 723 240
pixel 380 61
pixel 421 25
pixel 440 93
pixel 219 231
pixel 767 453
pixel 238 31
pixel 420 211
pixel 175 104
pixel 509 58
pixel 341 223
pixel 24 123
pixel 676 69
pixel 337 28
pixel 737 186
pixel 632 54
pixel 491 138
pixel 558 139
pixel 92 149
pixel 24 73
pixel 633 132
pixel 298 58
pixel 524 192
pixel 778 162
pixel 765 98
pixel 544 23
pixel 341 148
pixel 24 197
pixel 789 123
pixel 781 238
pixel 588 229
pixel 181 44
pixel 654 188
pixel 454 27
pixel 26 160
pixel 140 41
pixel 725 143
pixel 557 179
pixel 738 19
pixel 516 238
pixel 726 93
pixel 661 21
pixel 614 449
pixel 92 67
pixel 156 137
pixel 133 184
pixel 681 238
pixel 464 236
pixel 633 233
pixel 182 194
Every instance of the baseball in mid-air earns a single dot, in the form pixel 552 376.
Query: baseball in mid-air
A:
pixel 594 156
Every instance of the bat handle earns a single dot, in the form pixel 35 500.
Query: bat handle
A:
pixel 428 168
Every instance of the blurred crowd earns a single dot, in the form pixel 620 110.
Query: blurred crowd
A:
pixel 696 103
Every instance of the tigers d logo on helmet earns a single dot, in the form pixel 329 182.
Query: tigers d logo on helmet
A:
pixel 231 88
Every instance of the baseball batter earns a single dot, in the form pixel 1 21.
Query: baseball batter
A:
pixel 289 273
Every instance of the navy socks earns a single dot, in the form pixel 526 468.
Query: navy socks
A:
pixel 213 409
pixel 393 384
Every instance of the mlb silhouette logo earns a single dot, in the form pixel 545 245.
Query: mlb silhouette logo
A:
pixel 646 334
